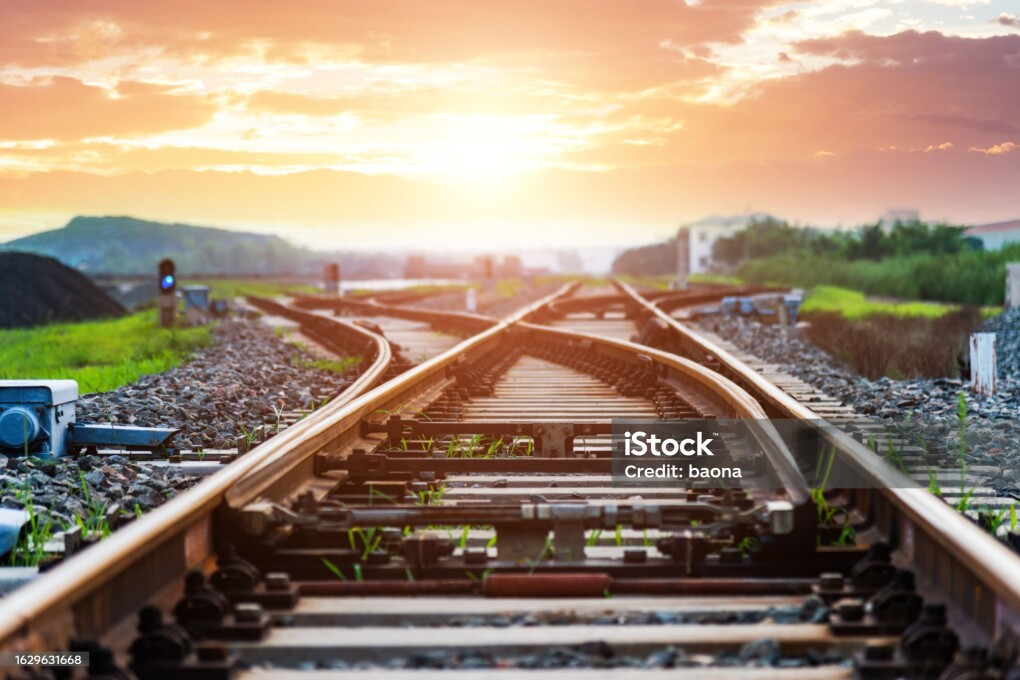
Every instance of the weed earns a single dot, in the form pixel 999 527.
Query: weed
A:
pixel 95 523
pixel 340 366
pixel 546 551
pixel 431 496
pixel 333 568
pixel 825 513
pixel 847 535
pixel 370 540
pixel 963 505
pixel 478 579
pixel 747 544
pixel 933 483
pixel 31 547
pixel 593 538
pixel 998 519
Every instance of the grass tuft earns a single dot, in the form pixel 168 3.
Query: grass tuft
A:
pixel 100 355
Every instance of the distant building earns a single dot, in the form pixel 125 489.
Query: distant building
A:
pixel 902 215
pixel 696 241
pixel 995 236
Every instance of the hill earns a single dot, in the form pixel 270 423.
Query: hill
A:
pixel 37 290
pixel 128 246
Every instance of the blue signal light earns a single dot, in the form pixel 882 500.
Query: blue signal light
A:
pixel 167 282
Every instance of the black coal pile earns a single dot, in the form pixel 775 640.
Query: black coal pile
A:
pixel 38 290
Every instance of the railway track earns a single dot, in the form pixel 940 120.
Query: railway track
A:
pixel 464 516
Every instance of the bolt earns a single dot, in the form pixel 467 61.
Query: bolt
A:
pixel 850 609
pixel 879 651
pixel 635 556
pixel 831 581
pixel 247 612
pixel 277 581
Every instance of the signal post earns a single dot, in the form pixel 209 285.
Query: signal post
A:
pixel 167 293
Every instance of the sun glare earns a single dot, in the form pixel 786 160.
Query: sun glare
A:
pixel 485 148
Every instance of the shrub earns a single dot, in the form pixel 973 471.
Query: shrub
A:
pixel 896 346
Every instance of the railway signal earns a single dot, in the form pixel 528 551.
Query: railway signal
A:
pixel 167 293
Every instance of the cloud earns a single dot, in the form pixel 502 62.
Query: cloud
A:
pixel 333 207
pixel 1006 19
pixel 1004 147
pixel 63 108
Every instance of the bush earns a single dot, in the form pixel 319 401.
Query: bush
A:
pixel 968 277
pixel 896 346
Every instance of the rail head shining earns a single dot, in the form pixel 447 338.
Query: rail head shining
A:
pixel 52 605
pixel 995 565
pixel 721 390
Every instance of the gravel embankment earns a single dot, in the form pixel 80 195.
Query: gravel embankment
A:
pixel 927 406
pixel 237 382
pixel 1006 327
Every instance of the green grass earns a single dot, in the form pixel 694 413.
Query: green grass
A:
pixel 715 278
pixel 340 366
pixel 852 304
pixel 232 288
pixel 100 355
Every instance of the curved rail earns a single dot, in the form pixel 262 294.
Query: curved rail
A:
pixel 734 401
pixel 994 596
pixel 101 585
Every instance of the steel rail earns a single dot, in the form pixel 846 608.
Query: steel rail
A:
pixel 921 516
pixel 467 321
pixel 172 538
pixel 734 400
pixel 85 596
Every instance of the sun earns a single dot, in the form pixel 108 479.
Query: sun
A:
pixel 485 149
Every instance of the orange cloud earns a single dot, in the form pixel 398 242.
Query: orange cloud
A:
pixel 1004 147
pixel 64 108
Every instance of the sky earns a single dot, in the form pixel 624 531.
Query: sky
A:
pixel 505 123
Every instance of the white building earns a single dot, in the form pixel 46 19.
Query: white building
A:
pixel 695 241
pixel 995 236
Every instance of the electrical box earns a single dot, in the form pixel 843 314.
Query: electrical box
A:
pixel 35 416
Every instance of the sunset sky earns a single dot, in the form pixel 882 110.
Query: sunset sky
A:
pixel 505 122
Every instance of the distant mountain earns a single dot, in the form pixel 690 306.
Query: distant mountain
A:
pixel 128 246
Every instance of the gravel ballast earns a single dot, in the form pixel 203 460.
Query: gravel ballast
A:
pixel 244 379
pixel 924 407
